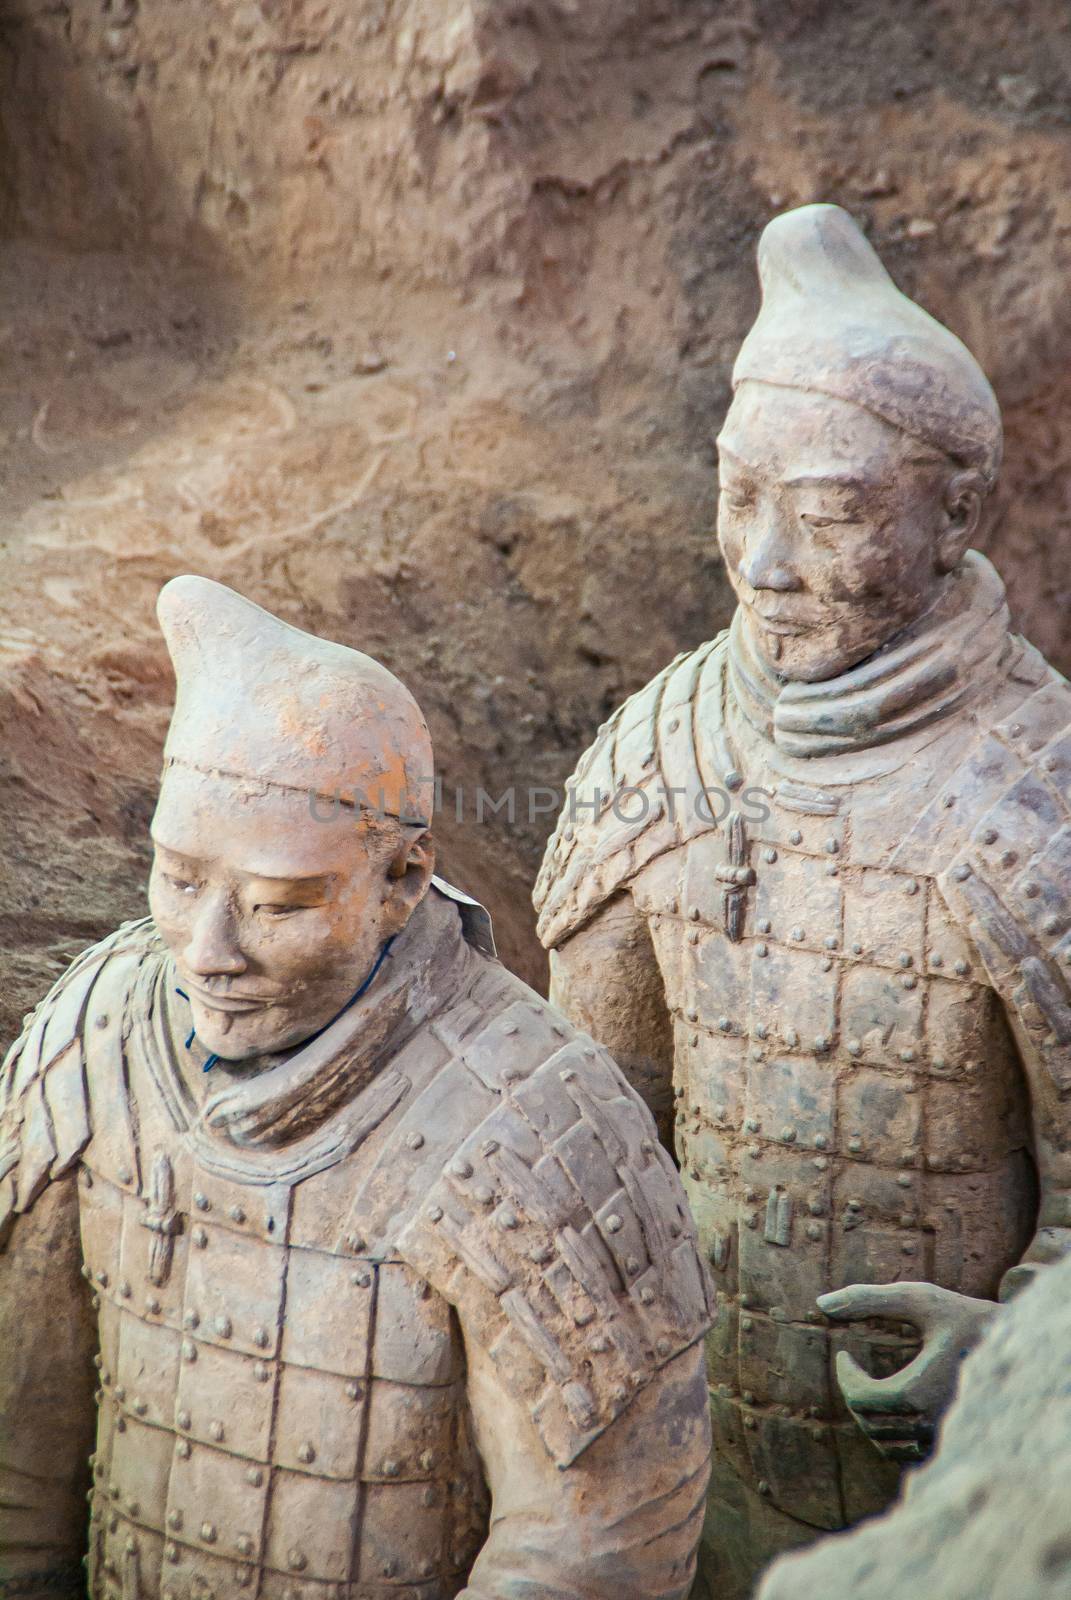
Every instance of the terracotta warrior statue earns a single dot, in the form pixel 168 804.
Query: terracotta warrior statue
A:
pixel 390 1290
pixel 812 887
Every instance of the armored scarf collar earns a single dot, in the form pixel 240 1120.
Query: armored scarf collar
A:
pixel 944 662
pixel 317 1104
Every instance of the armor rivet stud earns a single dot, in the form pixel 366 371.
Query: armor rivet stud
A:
pixel 754 1151
pixel 854 1048
pixel 693 937
pixel 795 837
pixel 908 1247
pixel 462 1169
pixel 857 948
pixel 208 1532
pixel 792 1038
pixel 102 1279
pixel 911 886
pixel 189 1350
pixel 765 926
pixel 770 856
pixel 262 1338
pixel 152 1306
pixel 747 1323
pixel 798 934
pixel 1052 925
pixel 752 1124
pixel 647 1295
pixel 414 1140
pixel 814 1230
pixel 749 1422
pixel 508 1219
pixel 831 941
pixel 816 1207
pixel 140 1408
pixel 361 1279
pixel 821 1044
pixel 904 1179
pixel 663 1347
pixel 237 1214
pixel 135 1511
pixel 120 1393
pixel 855 1144
pixel 202 1202
pixel 120 1424
pixel 761 1031
pixel 788 1134
pixel 223 1327
pixel 174 1520
pixel 1031 889
pixel 762 950
pixel 483 1194
pixel 170 1554
pixel 907 1055
pixel 905 958
pixel 391 1469
pixel 182 1449
pixel 354 1390
pixel 244 1544
pixel 827 964
pixel 961 968
pixel 255 1476
pixel 306 1453
pixel 217 1431
pixel 192 1319
pixel 435 1213
pixel 909 981
pixel 832 846
pixel 261 1373
pixel 725 1024
pixel 356 1243
pixel 691 1015
pixel 200 1238
pixel 961 872
pixel 125 1290
pixel 490 1146
pixel 125 1175
pixel 183 1419
pixel 733 780
pixel 937 959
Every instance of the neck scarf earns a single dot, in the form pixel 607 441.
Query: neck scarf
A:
pixel 943 662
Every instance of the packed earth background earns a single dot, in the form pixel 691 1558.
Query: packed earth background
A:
pixel 413 321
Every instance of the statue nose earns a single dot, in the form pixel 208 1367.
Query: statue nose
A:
pixel 765 562
pixel 213 948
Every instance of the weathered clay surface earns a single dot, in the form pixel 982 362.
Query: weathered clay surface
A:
pixel 987 1518
pixel 828 856
pixel 567 197
pixel 393 1285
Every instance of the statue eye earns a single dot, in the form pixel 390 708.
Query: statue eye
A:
pixel 736 499
pixel 819 524
pixel 181 885
pixel 277 910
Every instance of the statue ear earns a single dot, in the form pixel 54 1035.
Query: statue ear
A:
pixel 964 494
pixel 409 873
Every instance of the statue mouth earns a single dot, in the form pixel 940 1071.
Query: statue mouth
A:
pixel 230 1004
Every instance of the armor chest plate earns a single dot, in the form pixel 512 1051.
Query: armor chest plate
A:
pixel 850 1109
pixel 276 1417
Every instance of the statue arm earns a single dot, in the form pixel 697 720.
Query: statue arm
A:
pixel 624 1519
pixel 47 1413
pixel 607 981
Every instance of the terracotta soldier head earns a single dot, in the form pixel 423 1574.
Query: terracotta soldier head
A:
pixel 291 835
pixel 860 444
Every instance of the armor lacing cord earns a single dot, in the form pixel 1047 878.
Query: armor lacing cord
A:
pixel 352 1001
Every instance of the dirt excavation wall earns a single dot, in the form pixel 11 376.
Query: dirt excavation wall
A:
pixel 413 320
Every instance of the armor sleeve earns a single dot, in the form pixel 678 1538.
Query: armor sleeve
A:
pixel 47 1337
pixel 634 793
pixel 1010 885
pixel 607 980
pixel 557 1226
pixel 45 1097
pixel 624 1520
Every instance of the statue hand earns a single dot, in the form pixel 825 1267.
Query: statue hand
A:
pixel 899 1414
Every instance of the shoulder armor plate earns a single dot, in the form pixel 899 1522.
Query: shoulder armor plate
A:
pixel 633 793
pixel 551 1217
pixel 45 1113
pixel 1009 882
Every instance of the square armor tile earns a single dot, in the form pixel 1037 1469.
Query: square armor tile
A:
pixel 147 1373
pixel 234 1285
pixel 415 1340
pixel 711 1070
pixel 402 1527
pixel 225 1398
pixel 794 996
pixel 410 1430
pixel 329 1308
pixel 311 1526
pixel 881 1014
pixel 799 899
pixel 717 981
pixel 796 1460
pixel 792 1098
pixel 139 1471
pixel 880 1116
pixel 216 1502
pixel 885 917
pixel 783 1364
pixel 319 1421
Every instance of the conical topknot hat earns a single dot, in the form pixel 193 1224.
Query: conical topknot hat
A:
pixel 261 700
pixel 833 322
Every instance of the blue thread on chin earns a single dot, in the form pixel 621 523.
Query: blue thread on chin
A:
pixel 352 1001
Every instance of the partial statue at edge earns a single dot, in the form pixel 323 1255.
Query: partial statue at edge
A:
pixel 851 989
pixel 373 1237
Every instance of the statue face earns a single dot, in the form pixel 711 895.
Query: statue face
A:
pixel 273 918
pixel 830 522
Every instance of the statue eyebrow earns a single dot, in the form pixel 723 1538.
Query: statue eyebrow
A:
pixel 834 480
